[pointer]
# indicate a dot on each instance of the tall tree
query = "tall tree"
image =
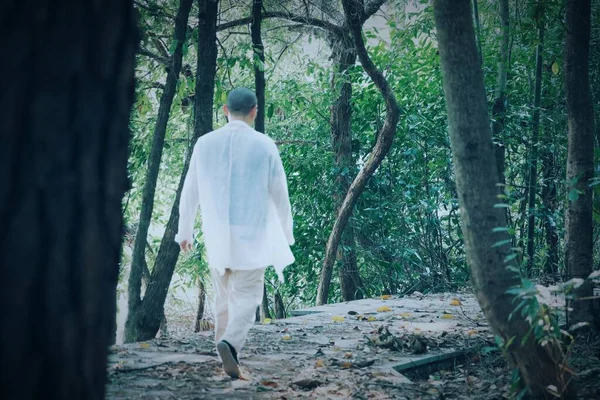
(499, 106)
(259, 63)
(64, 115)
(580, 161)
(138, 262)
(533, 145)
(344, 57)
(355, 12)
(476, 179)
(144, 319)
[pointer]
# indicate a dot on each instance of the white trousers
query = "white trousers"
(237, 294)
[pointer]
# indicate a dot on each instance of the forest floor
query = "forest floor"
(414, 347)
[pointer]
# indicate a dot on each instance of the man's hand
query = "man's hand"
(185, 246)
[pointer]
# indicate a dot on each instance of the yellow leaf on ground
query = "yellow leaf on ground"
(319, 364)
(555, 68)
(372, 318)
(346, 364)
(384, 309)
(338, 318)
(266, 321)
(472, 332)
(406, 315)
(144, 345)
(447, 316)
(455, 302)
(386, 297)
(286, 337)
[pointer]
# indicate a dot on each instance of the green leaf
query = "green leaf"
(573, 195)
(502, 243)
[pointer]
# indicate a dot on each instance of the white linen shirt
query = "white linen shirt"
(237, 178)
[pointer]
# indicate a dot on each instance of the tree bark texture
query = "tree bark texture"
(160, 129)
(344, 56)
(355, 16)
(279, 306)
(476, 180)
(145, 322)
(580, 158)
(499, 106)
(533, 151)
(264, 305)
(259, 63)
(550, 203)
(65, 101)
(200, 325)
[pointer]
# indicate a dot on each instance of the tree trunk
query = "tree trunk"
(580, 159)
(477, 31)
(160, 129)
(549, 200)
(476, 180)
(145, 322)
(279, 306)
(499, 107)
(264, 305)
(65, 101)
(199, 325)
(341, 138)
(259, 63)
(354, 12)
(533, 151)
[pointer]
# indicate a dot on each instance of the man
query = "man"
(237, 178)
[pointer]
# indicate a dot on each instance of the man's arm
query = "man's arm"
(188, 206)
(279, 193)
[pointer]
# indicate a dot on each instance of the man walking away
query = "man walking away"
(237, 178)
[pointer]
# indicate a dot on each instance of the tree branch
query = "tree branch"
(371, 8)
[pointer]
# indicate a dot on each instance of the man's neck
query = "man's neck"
(248, 121)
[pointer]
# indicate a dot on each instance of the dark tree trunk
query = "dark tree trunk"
(344, 57)
(354, 12)
(549, 200)
(67, 91)
(160, 129)
(580, 160)
(533, 152)
(476, 180)
(259, 63)
(145, 322)
(264, 305)
(499, 107)
(279, 306)
(200, 325)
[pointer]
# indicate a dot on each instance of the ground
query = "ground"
(413, 347)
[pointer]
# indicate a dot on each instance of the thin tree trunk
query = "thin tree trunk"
(144, 324)
(533, 151)
(341, 138)
(580, 159)
(264, 305)
(476, 179)
(66, 96)
(160, 129)
(259, 63)
(499, 107)
(279, 306)
(199, 325)
(549, 200)
(354, 12)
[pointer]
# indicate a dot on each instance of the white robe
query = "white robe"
(237, 178)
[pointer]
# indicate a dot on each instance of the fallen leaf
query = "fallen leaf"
(386, 297)
(455, 302)
(319, 364)
(286, 337)
(472, 332)
(307, 383)
(371, 319)
(348, 355)
(346, 364)
(384, 309)
(447, 316)
(338, 318)
(144, 345)
(269, 384)
(406, 315)
(266, 321)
